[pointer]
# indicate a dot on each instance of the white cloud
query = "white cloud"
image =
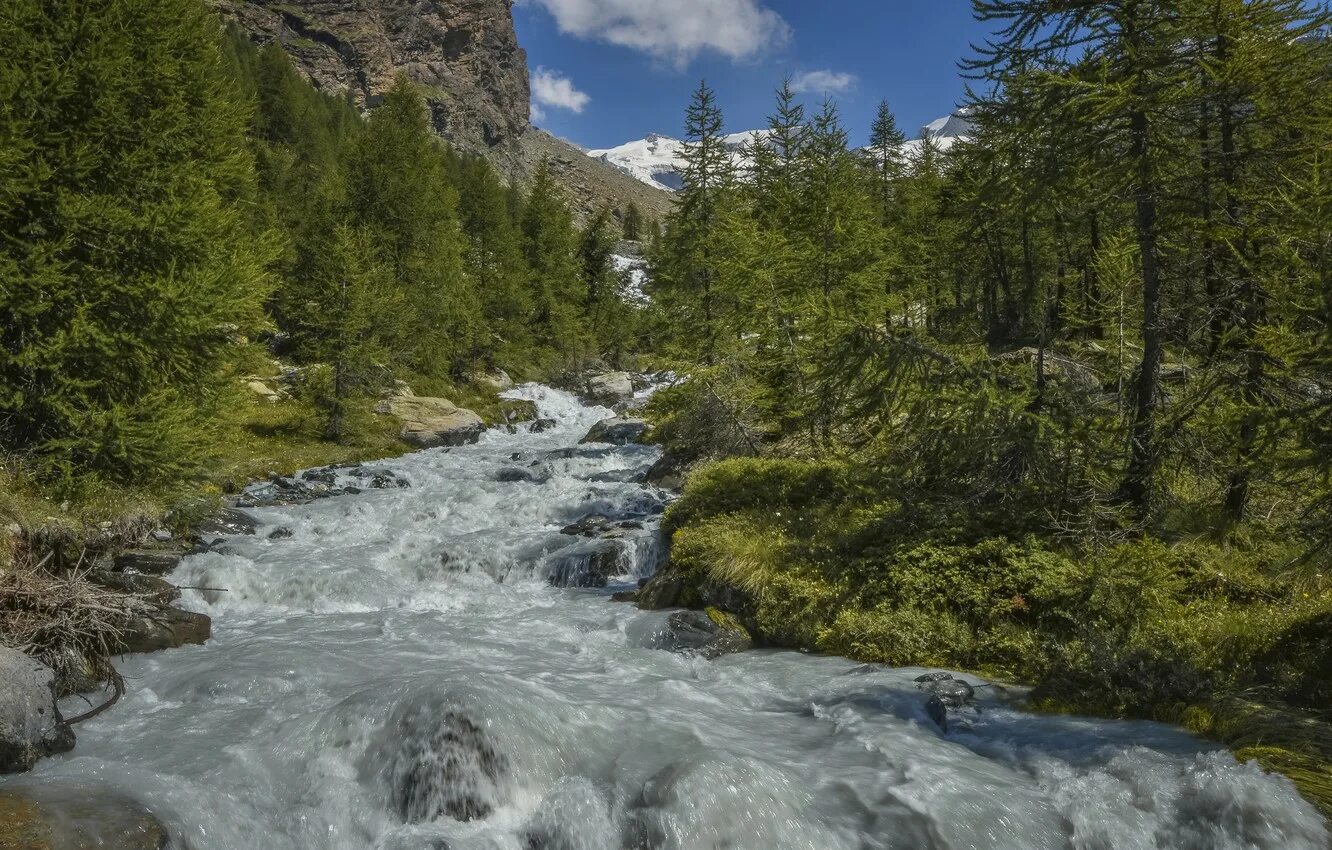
(674, 30)
(556, 91)
(823, 82)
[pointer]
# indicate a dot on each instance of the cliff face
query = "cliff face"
(464, 53)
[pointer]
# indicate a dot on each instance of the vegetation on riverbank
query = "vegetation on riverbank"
(1052, 404)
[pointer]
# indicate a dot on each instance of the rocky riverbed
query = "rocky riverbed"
(425, 653)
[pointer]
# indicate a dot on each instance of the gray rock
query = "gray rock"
(610, 388)
(429, 423)
(150, 587)
(163, 628)
(511, 474)
(953, 693)
(697, 632)
(30, 723)
(542, 425)
(228, 522)
(935, 708)
(618, 431)
(444, 764)
(661, 591)
(147, 561)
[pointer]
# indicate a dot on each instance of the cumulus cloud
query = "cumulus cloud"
(673, 30)
(553, 90)
(823, 82)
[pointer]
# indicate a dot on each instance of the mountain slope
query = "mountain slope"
(465, 55)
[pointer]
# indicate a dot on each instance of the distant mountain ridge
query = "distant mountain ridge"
(656, 159)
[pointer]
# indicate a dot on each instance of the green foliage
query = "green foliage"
(130, 263)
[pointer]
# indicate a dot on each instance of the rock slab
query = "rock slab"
(429, 423)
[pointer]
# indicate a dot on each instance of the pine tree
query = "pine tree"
(559, 292)
(688, 280)
(130, 262)
(883, 157)
(399, 189)
(356, 295)
(633, 223)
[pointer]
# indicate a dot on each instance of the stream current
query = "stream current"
(402, 673)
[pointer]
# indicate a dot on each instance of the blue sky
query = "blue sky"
(607, 71)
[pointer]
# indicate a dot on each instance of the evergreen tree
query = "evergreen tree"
(687, 275)
(399, 189)
(130, 263)
(559, 291)
(883, 157)
(633, 223)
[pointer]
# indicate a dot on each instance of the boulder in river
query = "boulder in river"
(30, 723)
(953, 693)
(150, 587)
(147, 561)
(163, 628)
(618, 431)
(228, 522)
(428, 423)
(72, 819)
(444, 764)
(610, 388)
(711, 633)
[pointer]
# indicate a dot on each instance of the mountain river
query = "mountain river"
(402, 673)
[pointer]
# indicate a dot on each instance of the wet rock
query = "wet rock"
(150, 587)
(954, 693)
(512, 474)
(624, 596)
(542, 425)
(147, 561)
(610, 388)
(228, 522)
(281, 533)
(938, 712)
(588, 567)
(662, 590)
(710, 633)
(600, 525)
(163, 628)
(73, 819)
(444, 764)
(618, 431)
(936, 676)
(669, 471)
(633, 405)
(30, 723)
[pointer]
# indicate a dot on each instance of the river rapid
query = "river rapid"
(399, 673)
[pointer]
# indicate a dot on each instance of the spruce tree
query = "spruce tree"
(130, 265)
(883, 157)
(559, 291)
(633, 222)
(688, 281)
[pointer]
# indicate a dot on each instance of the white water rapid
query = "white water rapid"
(400, 674)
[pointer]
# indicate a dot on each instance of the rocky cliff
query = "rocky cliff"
(464, 53)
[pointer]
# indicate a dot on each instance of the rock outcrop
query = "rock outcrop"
(464, 53)
(618, 431)
(429, 423)
(466, 57)
(30, 722)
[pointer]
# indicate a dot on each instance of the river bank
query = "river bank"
(442, 665)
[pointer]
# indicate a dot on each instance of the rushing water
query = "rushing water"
(403, 654)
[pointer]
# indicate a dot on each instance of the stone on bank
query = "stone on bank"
(30, 723)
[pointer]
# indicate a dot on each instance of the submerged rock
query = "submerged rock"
(73, 819)
(573, 816)
(711, 633)
(618, 431)
(30, 723)
(445, 764)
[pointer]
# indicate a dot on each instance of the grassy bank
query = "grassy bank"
(1222, 636)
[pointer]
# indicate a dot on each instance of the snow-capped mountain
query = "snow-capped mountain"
(656, 160)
